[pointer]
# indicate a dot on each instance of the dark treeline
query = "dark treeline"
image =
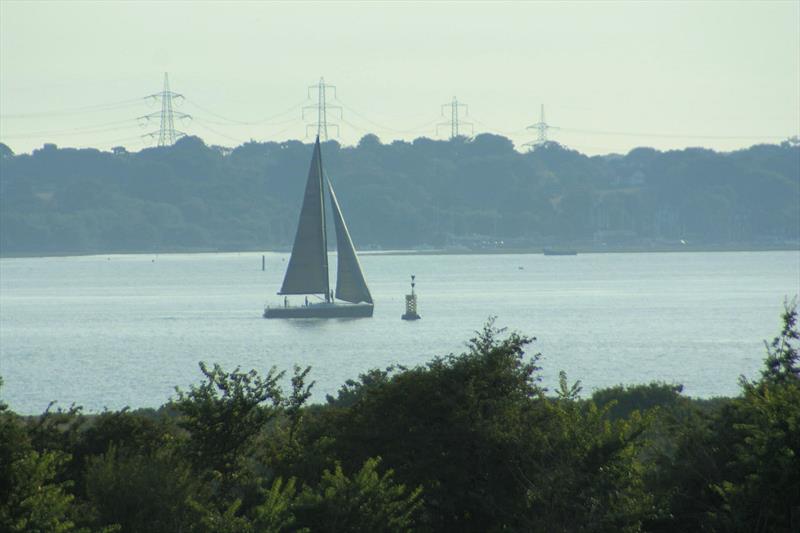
(468, 442)
(459, 193)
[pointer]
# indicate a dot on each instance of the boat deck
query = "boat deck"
(321, 310)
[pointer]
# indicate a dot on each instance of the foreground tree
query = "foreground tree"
(738, 468)
(454, 426)
(225, 413)
(762, 490)
(490, 449)
(37, 502)
(142, 491)
(367, 501)
(31, 496)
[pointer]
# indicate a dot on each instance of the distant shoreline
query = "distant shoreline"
(442, 251)
(590, 250)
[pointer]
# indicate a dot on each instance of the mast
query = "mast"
(324, 224)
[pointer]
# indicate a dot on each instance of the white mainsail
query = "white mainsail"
(307, 272)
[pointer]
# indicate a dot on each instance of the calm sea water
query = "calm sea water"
(111, 331)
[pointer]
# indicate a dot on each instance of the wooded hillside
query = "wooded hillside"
(462, 193)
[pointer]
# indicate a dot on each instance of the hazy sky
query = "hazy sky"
(611, 75)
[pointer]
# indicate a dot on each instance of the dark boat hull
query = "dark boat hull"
(361, 310)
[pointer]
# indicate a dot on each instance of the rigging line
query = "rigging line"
(77, 110)
(414, 130)
(672, 135)
(246, 122)
(74, 131)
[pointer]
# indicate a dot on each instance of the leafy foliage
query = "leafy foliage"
(367, 502)
(225, 413)
(36, 501)
(737, 468)
(783, 354)
(621, 401)
(141, 492)
(461, 427)
(584, 474)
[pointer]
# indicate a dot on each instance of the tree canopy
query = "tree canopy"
(466, 192)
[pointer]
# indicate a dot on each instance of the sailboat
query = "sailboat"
(307, 272)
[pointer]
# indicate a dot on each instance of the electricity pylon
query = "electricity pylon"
(167, 134)
(541, 128)
(455, 121)
(322, 108)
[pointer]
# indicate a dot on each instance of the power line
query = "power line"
(212, 130)
(322, 108)
(292, 120)
(284, 130)
(418, 129)
(167, 134)
(65, 133)
(95, 128)
(455, 122)
(75, 110)
(137, 138)
(263, 121)
(368, 129)
(671, 135)
(490, 129)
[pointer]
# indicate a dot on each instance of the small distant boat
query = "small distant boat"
(550, 251)
(307, 272)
